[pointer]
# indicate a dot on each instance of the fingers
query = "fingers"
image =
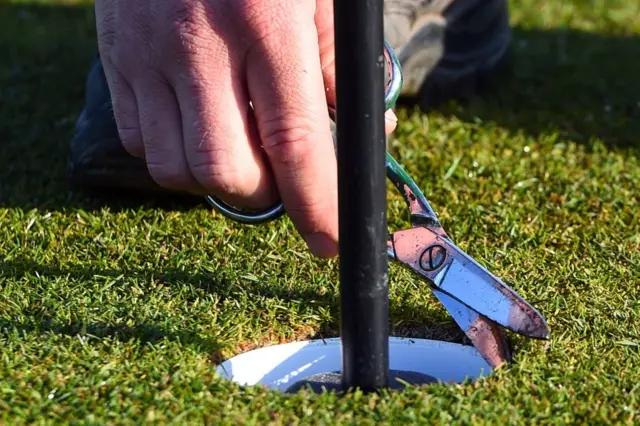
(125, 109)
(286, 86)
(161, 130)
(181, 84)
(221, 143)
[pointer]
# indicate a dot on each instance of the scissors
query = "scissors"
(479, 302)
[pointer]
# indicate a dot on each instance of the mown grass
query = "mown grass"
(116, 310)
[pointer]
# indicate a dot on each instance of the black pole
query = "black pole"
(362, 193)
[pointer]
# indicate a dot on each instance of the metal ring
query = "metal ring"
(392, 93)
(268, 215)
(395, 84)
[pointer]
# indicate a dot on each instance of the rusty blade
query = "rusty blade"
(449, 269)
(484, 334)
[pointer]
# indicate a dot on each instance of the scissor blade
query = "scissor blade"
(466, 280)
(455, 273)
(484, 334)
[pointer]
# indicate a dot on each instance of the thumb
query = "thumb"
(326, 43)
(390, 121)
(326, 37)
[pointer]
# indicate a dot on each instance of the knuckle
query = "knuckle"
(106, 39)
(118, 48)
(258, 16)
(188, 28)
(287, 144)
(264, 17)
(106, 26)
(140, 26)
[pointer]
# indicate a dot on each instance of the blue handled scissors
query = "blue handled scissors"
(479, 302)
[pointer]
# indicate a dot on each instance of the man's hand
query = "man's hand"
(182, 73)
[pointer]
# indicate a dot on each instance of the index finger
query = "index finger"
(285, 83)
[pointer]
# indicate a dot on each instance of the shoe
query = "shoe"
(447, 48)
(97, 159)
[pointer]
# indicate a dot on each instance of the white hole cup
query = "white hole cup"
(279, 367)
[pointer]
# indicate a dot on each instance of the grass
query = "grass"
(116, 311)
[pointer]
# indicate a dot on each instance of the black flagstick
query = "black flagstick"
(364, 294)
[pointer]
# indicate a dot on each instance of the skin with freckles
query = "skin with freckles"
(182, 74)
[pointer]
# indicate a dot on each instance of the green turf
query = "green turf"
(117, 311)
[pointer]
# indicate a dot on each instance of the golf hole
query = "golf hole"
(280, 366)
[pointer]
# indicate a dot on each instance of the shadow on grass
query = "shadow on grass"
(417, 322)
(582, 85)
(143, 333)
(579, 85)
(37, 319)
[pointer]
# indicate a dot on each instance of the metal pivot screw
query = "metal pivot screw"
(433, 257)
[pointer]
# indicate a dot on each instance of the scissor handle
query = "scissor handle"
(420, 210)
(392, 92)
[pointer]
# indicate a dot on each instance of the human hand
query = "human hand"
(182, 73)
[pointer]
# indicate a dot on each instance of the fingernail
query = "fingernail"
(321, 245)
(390, 117)
(390, 121)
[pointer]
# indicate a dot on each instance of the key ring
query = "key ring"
(392, 92)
